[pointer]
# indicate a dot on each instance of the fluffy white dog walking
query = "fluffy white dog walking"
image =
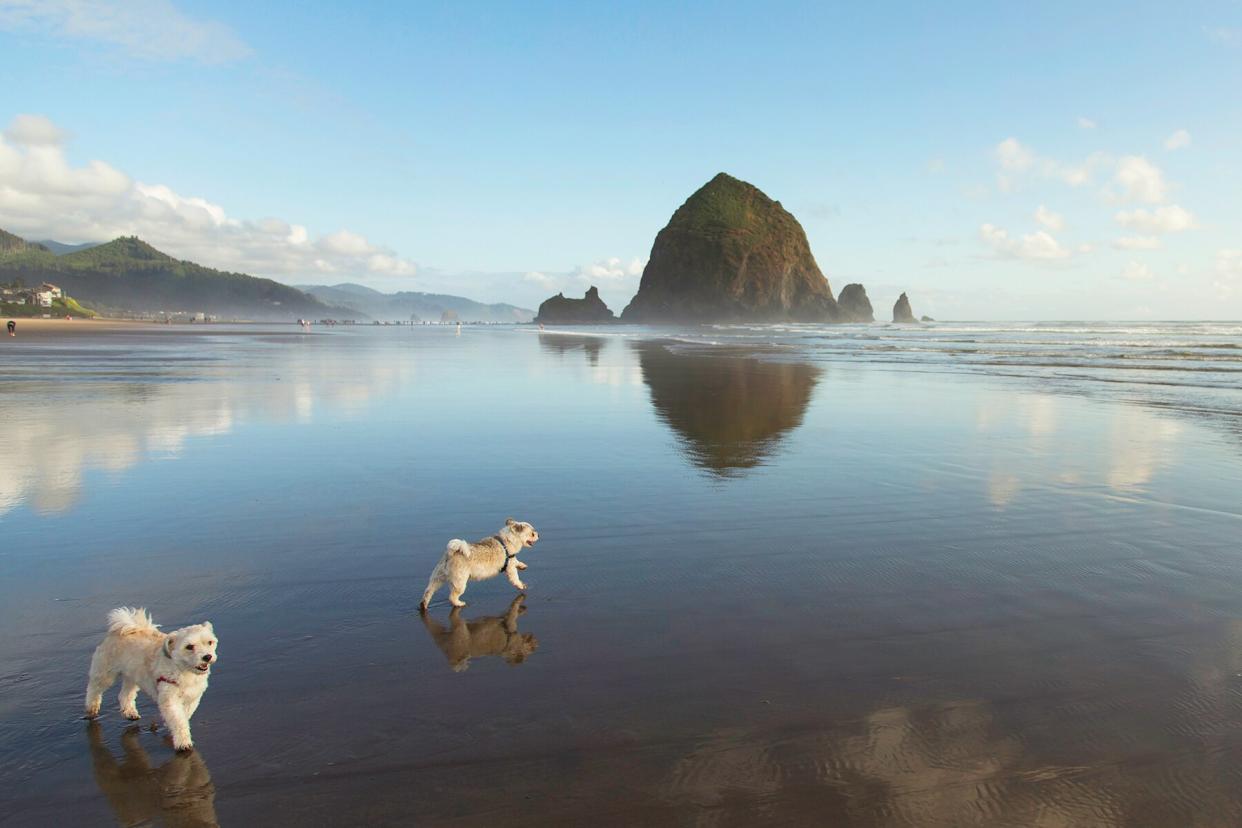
(464, 562)
(171, 668)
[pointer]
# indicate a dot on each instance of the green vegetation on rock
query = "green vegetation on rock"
(730, 253)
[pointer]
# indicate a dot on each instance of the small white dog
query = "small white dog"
(464, 562)
(171, 668)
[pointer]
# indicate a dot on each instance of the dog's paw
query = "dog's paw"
(182, 747)
(132, 715)
(90, 716)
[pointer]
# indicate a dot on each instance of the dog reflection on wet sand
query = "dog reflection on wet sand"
(492, 635)
(178, 793)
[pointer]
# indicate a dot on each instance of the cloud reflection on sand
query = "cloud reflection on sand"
(50, 441)
(1027, 443)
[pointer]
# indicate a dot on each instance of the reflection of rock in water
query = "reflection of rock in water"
(563, 343)
(177, 793)
(493, 635)
(730, 412)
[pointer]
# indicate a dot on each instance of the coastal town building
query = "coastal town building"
(43, 296)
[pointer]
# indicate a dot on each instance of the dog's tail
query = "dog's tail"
(458, 547)
(127, 620)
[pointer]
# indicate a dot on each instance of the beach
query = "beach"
(937, 575)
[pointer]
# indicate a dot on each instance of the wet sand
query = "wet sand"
(43, 329)
(768, 592)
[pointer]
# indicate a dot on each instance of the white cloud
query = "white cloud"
(1223, 34)
(1134, 178)
(34, 131)
(1016, 160)
(1013, 156)
(43, 196)
(1137, 243)
(1052, 221)
(148, 29)
(612, 269)
(1086, 123)
(543, 280)
(1037, 246)
(1076, 175)
(1228, 271)
(1136, 272)
(616, 278)
(1159, 221)
(1140, 180)
(1178, 140)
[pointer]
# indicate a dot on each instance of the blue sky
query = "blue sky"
(994, 161)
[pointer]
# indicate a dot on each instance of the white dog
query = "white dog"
(171, 668)
(464, 562)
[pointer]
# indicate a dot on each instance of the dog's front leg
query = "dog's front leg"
(175, 719)
(192, 705)
(512, 571)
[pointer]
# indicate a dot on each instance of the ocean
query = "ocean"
(948, 574)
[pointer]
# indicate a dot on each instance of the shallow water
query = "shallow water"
(860, 575)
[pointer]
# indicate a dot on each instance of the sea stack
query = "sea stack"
(589, 310)
(732, 254)
(854, 305)
(901, 310)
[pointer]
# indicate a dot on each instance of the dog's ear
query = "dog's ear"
(509, 521)
(207, 624)
(168, 646)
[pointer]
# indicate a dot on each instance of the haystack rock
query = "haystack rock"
(589, 310)
(901, 310)
(854, 305)
(730, 253)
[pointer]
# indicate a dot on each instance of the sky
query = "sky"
(995, 161)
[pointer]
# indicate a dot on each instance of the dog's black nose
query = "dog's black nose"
(207, 657)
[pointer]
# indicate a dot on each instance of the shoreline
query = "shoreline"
(27, 326)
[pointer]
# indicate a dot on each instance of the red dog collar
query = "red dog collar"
(161, 678)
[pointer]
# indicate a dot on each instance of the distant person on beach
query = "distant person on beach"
(12, 328)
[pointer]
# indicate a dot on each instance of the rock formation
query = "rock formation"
(853, 304)
(926, 318)
(901, 310)
(589, 310)
(730, 253)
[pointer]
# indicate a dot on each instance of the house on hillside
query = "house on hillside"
(43, 298)
(56, 292)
